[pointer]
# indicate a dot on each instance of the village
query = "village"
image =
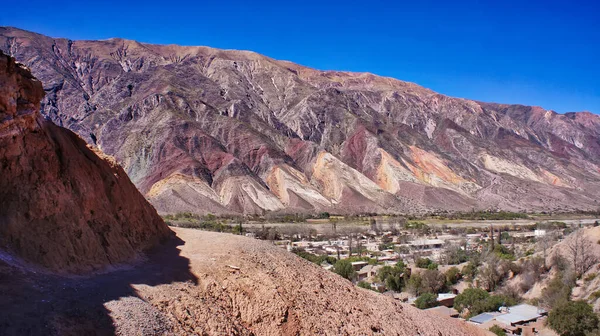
(480, 273)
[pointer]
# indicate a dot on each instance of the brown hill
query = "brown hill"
(213, 284)
(63, 206)
(206, 130)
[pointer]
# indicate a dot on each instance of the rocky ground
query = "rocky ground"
(204, 283)
(63, 205)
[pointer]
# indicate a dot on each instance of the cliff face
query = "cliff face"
(63, 205)
(206, 130)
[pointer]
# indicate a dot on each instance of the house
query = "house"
(484, 317)
(446, 299)
(521, 314)
(426, 244)
(368, 271)
(357, 265)
(520, 319)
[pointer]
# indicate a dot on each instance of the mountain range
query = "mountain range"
(205, 130)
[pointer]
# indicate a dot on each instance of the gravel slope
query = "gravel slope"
(204, 283)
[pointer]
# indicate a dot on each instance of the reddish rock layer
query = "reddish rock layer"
(62, 205)
(206, 130)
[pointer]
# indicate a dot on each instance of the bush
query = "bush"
(344, 268)
(595, 295)
(469, 271)
(427, 300)
(573, 318)
(365, 285)
(452, 276)
(590, 277)
(426, 263)
(503, 252)
(557, 291)
(497, 330)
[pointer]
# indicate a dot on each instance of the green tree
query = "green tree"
(573, 318)
(344, 268)
(469, 299)
(392, 277)
(426, 300)
(414, 285)
(452, 276)
(469, 271)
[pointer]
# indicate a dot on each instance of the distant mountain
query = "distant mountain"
(221, 131)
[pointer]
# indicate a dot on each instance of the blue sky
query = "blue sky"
(532, 52)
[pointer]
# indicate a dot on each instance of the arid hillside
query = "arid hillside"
(62, 205)
(221, 131)
(207, 283)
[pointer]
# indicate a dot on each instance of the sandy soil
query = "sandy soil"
(205, 283)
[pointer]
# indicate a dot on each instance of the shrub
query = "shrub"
(427, 300)
(470, 271)
(452, 276)
(590, 277)
(497, 330)
(595, 295)
(315, 258)
(503, 252)
(557, 291)
(365, 285)
(426, 263)
(527, 254)
(344, 268)
(573, 318)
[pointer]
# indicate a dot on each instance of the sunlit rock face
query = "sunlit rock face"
(219, 131)
(63, 205)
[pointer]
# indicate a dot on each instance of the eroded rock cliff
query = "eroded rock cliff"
(63, 205)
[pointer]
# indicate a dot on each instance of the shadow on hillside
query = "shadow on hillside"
(34, 304)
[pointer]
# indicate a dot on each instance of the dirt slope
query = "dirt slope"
(61, 204)
(214, 284)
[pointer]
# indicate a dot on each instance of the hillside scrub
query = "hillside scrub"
(573, 318)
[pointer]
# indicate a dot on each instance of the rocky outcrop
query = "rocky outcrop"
(206, 130)
(63, 205)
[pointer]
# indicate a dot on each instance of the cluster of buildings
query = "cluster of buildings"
(523, 319)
